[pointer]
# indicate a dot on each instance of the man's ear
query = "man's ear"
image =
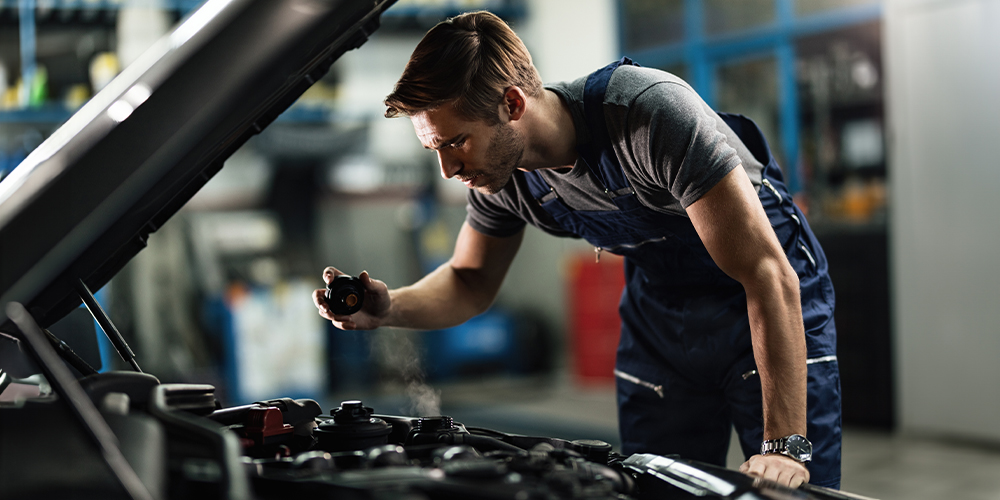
(515, 102)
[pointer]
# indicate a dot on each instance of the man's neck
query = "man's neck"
(550, 134)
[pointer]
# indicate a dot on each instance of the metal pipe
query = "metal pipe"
(105, 322)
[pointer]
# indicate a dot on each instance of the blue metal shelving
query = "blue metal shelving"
(182, 6)
(704, 53)
(40, 116)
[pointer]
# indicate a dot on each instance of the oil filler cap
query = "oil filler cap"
(345, 294)
(593, 450)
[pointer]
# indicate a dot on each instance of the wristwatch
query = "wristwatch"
(796, 447)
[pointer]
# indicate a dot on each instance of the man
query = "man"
(727, 294)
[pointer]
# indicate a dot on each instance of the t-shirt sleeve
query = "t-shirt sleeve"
(675, 141)
(489, 215)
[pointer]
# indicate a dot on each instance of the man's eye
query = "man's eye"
(458, 144)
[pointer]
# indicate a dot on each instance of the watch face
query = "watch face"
(798, 448)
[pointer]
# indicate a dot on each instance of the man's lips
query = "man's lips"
(471, 181)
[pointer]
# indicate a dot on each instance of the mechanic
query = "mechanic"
(727, 314)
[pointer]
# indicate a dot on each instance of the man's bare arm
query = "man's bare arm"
(459, 289)
(735, 230)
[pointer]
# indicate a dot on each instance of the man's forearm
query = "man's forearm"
(779, 348)
(780, 351)
(444, 298)
(459, 289)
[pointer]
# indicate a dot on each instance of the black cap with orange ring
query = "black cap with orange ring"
(345, 294)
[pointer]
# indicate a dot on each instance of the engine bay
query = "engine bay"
(180, 444)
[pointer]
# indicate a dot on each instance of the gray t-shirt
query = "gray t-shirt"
(672, 147)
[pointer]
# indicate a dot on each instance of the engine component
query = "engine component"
(352, 428)
(429, 430)
(263, 424)
(593, 449)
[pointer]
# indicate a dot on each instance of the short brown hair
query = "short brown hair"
(470, 59)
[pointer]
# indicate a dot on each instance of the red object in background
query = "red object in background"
(594, 291)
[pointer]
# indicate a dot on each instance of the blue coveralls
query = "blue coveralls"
(685, 367)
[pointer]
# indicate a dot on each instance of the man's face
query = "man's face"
(480, 155)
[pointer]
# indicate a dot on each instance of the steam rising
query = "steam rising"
(401, 361)
(424, 399)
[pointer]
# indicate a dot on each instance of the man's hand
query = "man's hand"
(370, 316)
(777, 468)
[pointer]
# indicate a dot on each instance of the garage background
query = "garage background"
(883, 114)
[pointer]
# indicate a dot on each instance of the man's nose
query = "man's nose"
(449, 164)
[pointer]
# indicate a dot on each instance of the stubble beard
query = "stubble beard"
(502, 158)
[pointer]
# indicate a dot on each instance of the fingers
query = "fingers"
(776, 468)
(754, 466)
(367, 281)
(319, 300)
(344, 322)
(795, 481)
(329, 273)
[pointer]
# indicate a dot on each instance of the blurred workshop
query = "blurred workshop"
(882, 113)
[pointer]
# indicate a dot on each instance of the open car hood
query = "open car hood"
(85, 201)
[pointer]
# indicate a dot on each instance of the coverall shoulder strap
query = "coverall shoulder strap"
(750, 134)
(599, 154)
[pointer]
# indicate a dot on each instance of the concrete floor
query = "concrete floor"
(875, 464)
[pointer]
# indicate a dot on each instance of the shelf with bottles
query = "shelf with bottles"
(39, 106)
(842, 126)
